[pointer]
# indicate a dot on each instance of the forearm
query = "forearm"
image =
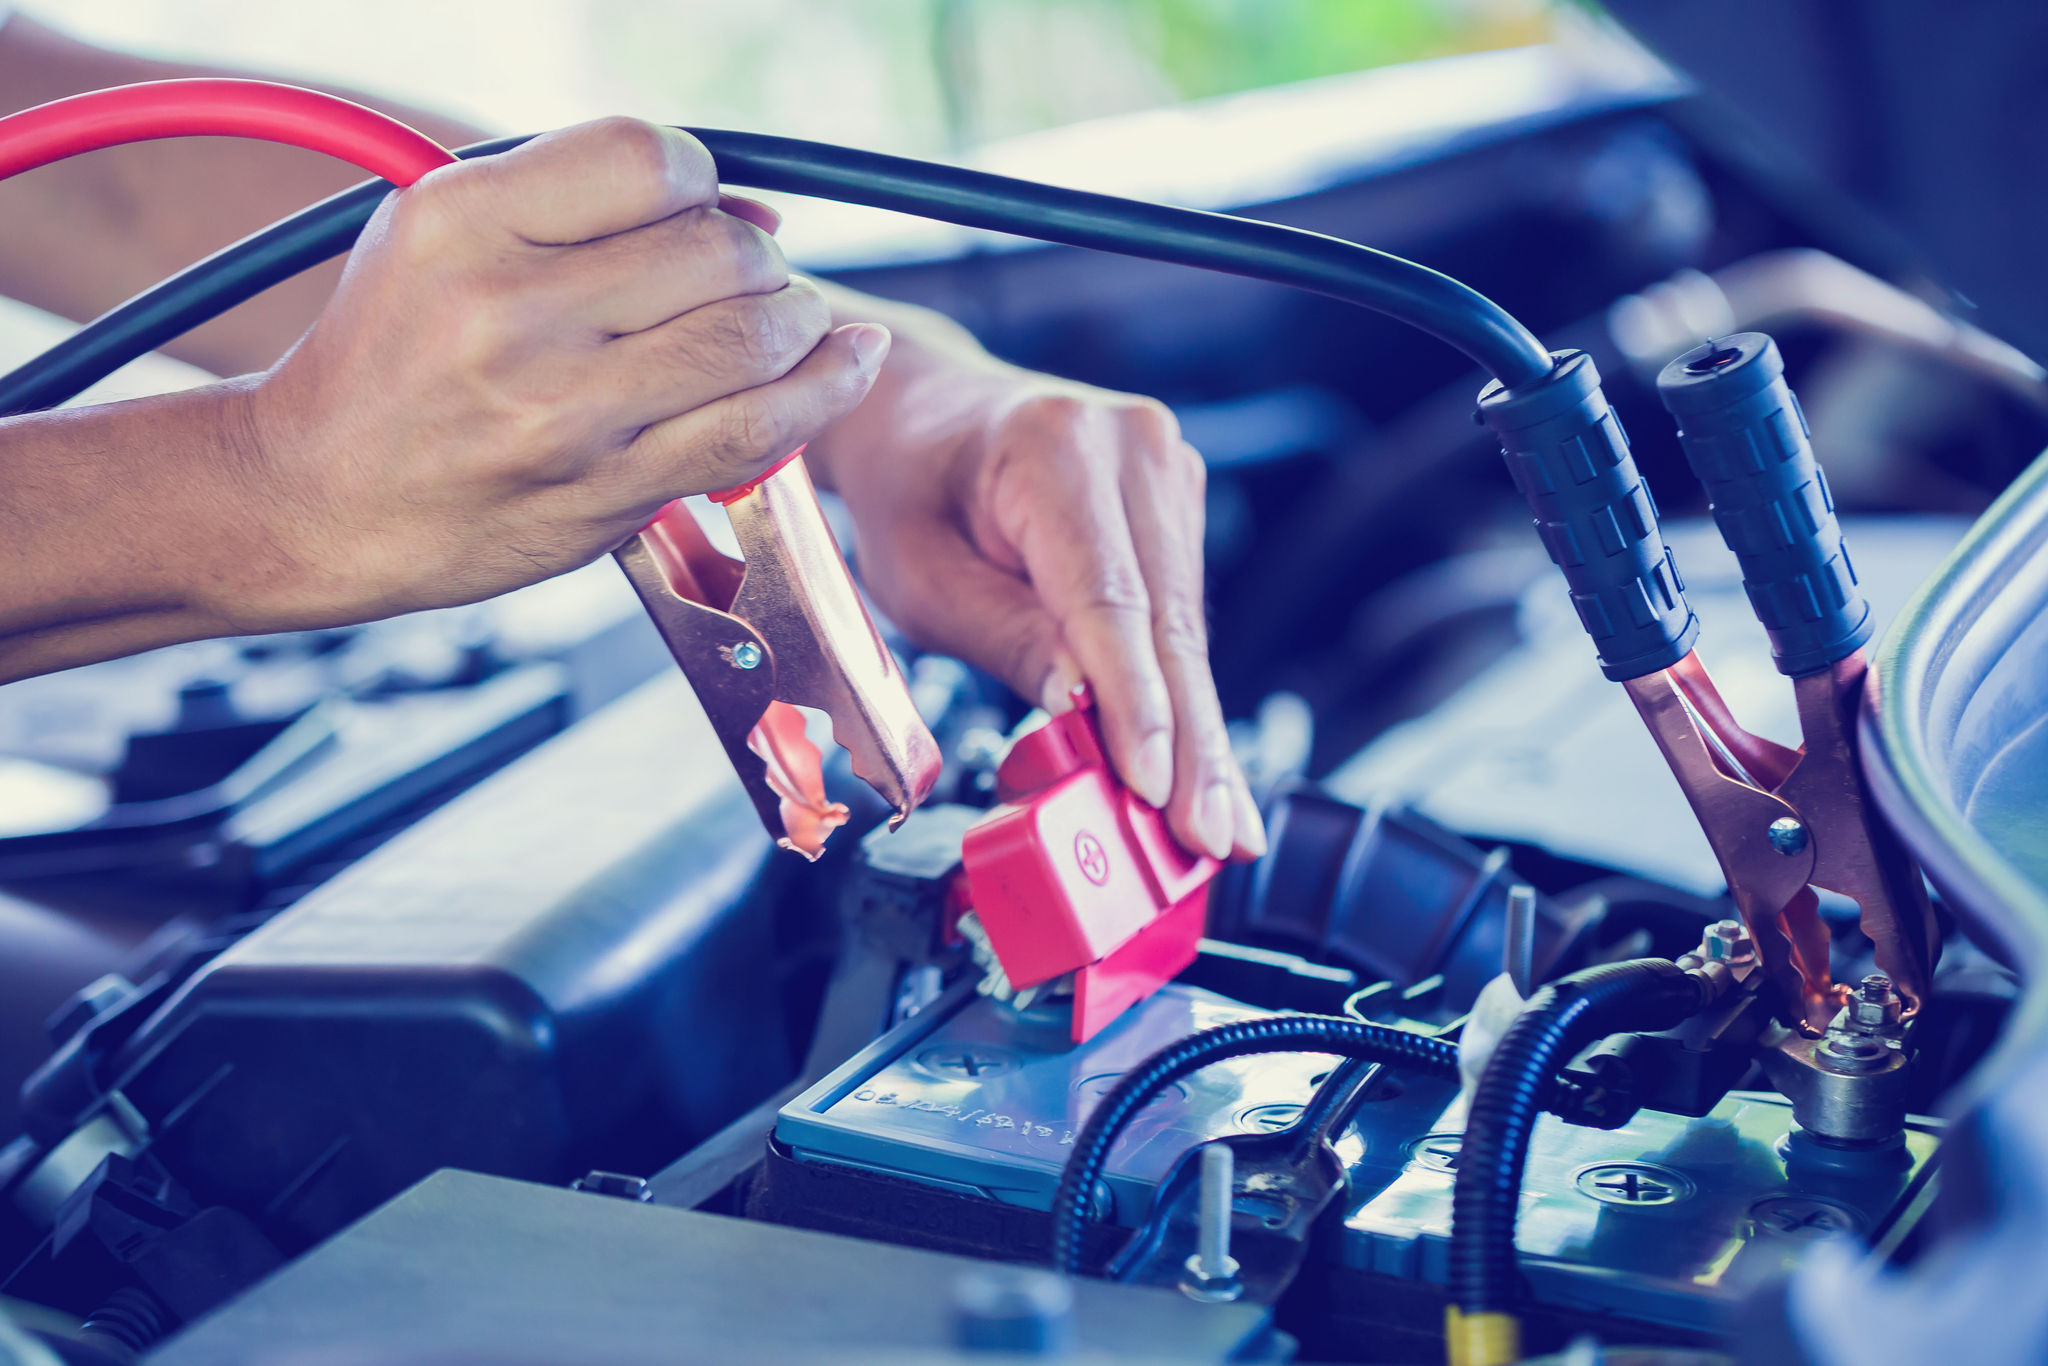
(87, 233)
(126, 527)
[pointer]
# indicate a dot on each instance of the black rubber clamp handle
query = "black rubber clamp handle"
(1570, 458)
(1747, 441)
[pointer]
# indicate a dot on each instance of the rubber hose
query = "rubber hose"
(1560, 1020)
(1276, 1034)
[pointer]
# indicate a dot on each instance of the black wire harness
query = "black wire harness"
(1277, 1034)
(1520, 1081)
(1343, 270)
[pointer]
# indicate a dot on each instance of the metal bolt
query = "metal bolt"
(746, 655)
(1015, 1310)
(1788, 836)
(1725, 940)
(1520, 952)
(1875, 1008)
(1211, 1273)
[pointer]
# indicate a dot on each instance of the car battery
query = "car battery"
(979, 1098)
(1666, 1220)
(952, 1130)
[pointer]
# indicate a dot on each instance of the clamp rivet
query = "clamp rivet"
(746, 655)
(1788, 836)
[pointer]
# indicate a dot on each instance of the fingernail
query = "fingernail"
(1152, 770)
(1212, 819)
(1056, 695)
(870, 344)
(761, 215)
(1251, 827)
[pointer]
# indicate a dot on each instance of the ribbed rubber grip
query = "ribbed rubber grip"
(1570, 459)
(1747, 441)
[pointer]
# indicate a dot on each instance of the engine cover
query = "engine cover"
(555, 972)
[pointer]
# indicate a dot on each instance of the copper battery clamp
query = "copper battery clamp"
(1782, 822)
(782, 628)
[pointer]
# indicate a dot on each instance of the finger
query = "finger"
(735, 438)
(635, 280)
(583, 183)
(763, 216)
(1065, 515)
(719, 349)
(952, 600)
(1250, 841)
(1162, 483)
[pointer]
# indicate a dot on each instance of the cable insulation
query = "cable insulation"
(217, 107)
(1238, 246)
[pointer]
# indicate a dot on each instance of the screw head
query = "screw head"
(746, 655)
(966, 1061)
(1268, 1119)
(1437, 1152)
(1803, 1216)
(1788, 836)
(1633, 1183)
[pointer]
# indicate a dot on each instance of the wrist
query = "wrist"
(936, 387)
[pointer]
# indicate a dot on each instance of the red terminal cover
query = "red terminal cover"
(1076, 873)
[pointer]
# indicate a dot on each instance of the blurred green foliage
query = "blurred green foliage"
(1215, 47)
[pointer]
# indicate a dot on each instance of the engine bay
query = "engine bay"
(431, 990)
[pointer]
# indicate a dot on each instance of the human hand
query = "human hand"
(1050, 532)
(526, 358)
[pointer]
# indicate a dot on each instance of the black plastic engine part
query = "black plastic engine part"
(557, 972)
(1385, 892)
(1685, 1070)
(132, 1253)
(1747, 441)
(264, 814)
(896, 893)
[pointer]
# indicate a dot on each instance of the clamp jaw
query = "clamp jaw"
(1781, 821)
(783, 629)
